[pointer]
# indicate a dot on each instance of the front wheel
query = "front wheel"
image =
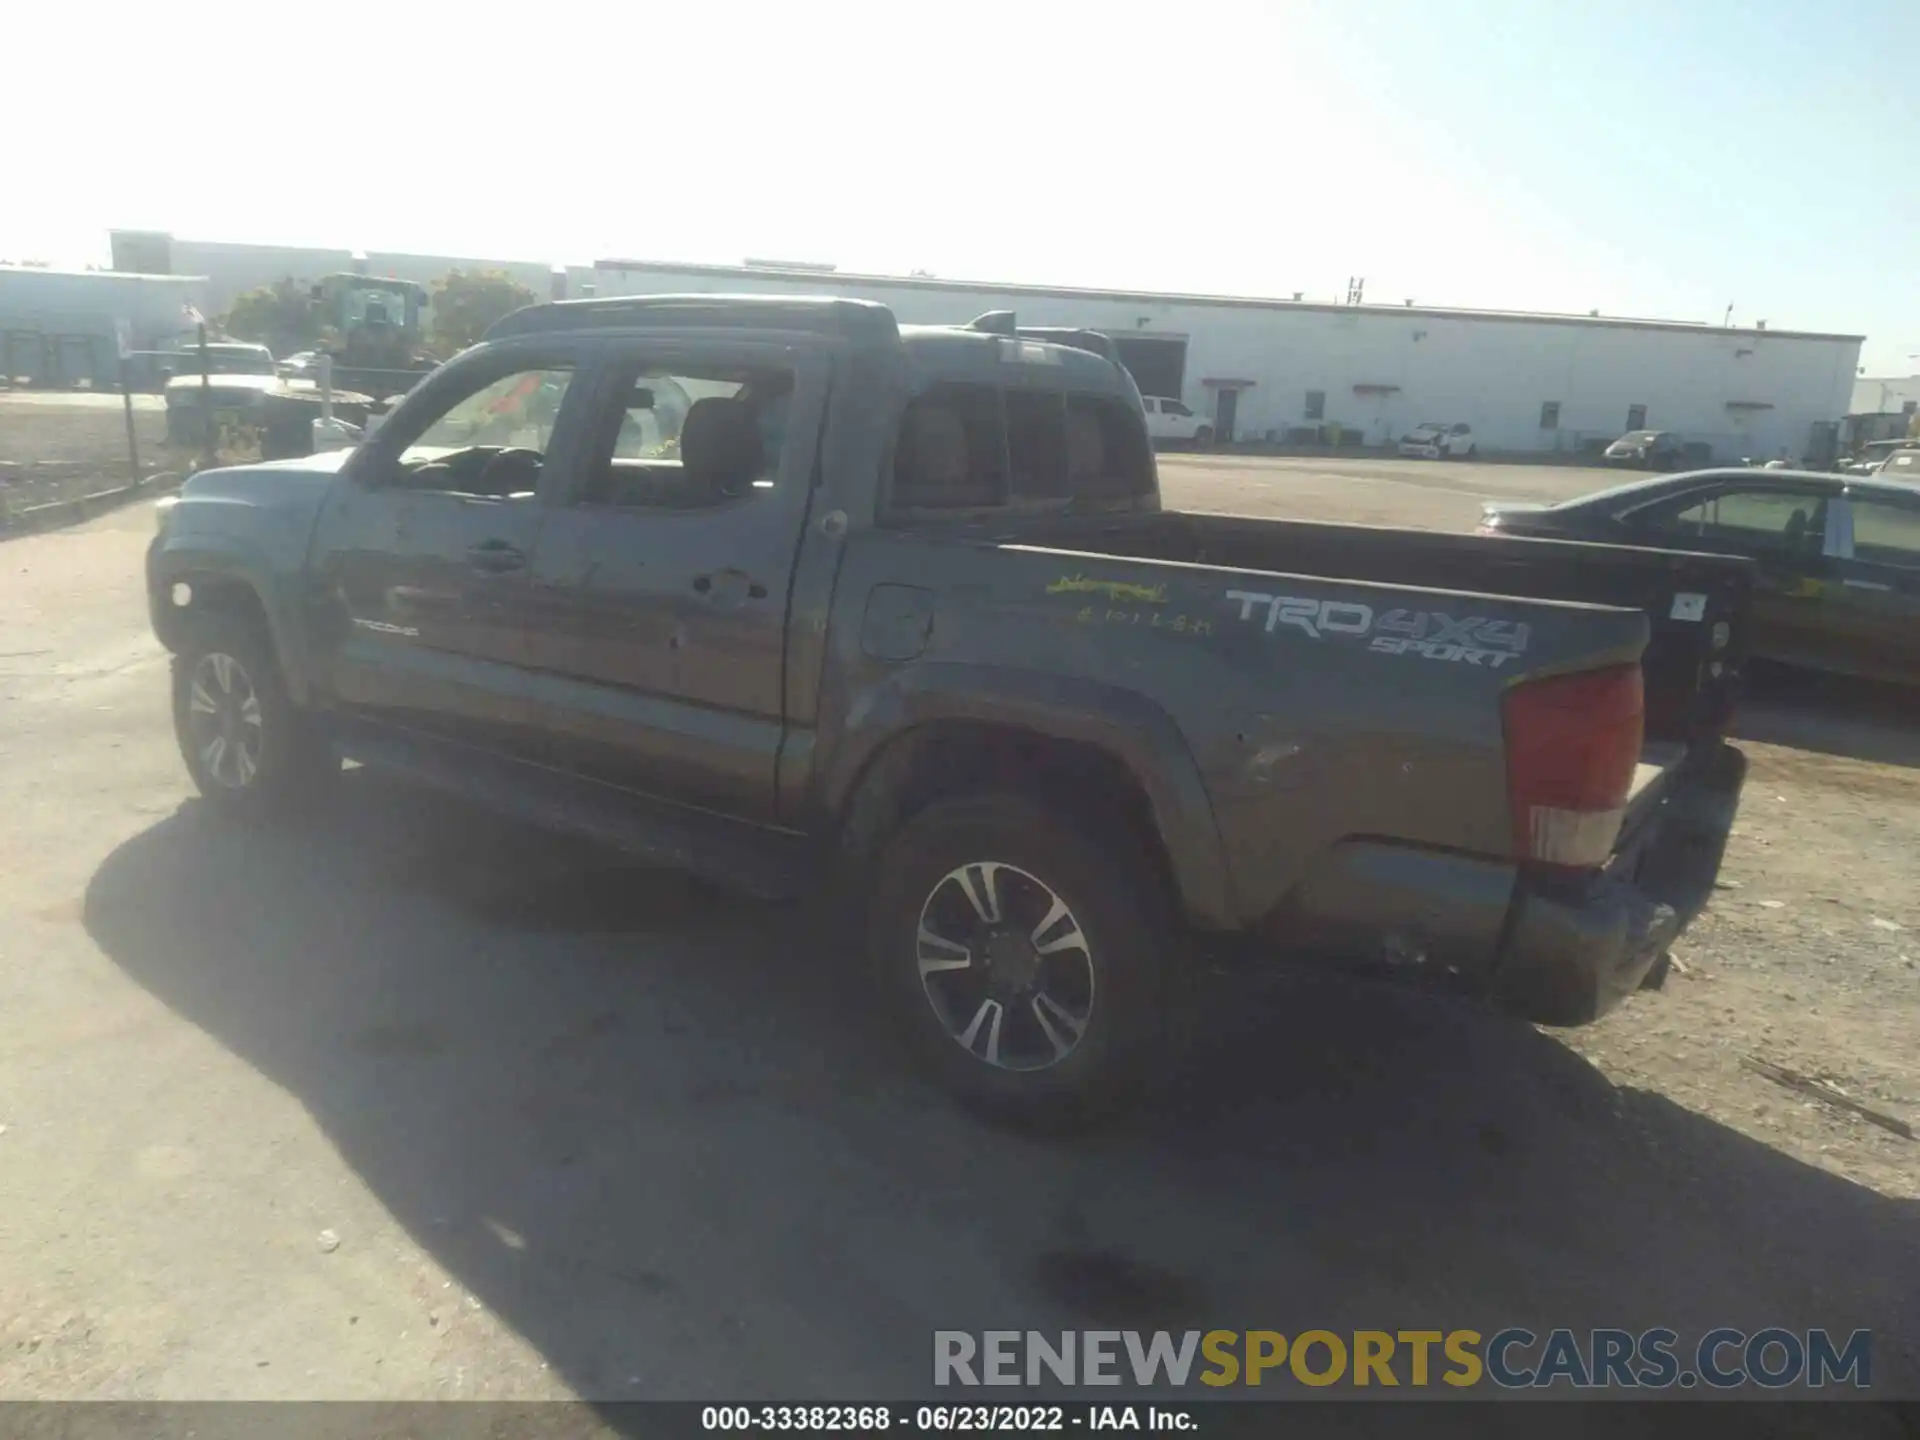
(1203, 437)
(249, 749)
(1032, 968)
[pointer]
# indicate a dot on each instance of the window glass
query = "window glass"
(1636, 417)
(1174, 407)
(517, 411)
(951, 451)
(1751, 519)
(1316, 404)
(1902, 465)
(680, 438)
(1037, 443)
(1550, 415)
(1108, 457)
(1887, 534)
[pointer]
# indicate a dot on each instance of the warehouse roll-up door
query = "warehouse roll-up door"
(1157, 363)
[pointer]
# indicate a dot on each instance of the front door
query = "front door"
(1226, 406)
(422, 560)
(1785, 529)
(662, 578)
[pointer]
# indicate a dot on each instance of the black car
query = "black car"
(1838, 583)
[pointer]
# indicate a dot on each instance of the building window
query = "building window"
(1910, 407)
(1316, 404)
(1636, 417)
(1550, 415)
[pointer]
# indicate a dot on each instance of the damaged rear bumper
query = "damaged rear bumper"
(1558, 951)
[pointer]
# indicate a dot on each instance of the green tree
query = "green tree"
(464, 305)
(280, 316)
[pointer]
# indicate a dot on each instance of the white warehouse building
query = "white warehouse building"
(1279, 370)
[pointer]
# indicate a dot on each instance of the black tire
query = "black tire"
(1129, 1008)
(274, 759)
(1203, 437)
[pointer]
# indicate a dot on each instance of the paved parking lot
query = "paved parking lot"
(411, 1103)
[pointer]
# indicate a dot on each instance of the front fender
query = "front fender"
(1122, 723)
(229, 559)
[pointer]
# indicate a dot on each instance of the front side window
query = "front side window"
(517, 411)
(1174, 407)
(1756, 520)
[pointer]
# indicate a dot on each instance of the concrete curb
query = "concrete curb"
(31, 519)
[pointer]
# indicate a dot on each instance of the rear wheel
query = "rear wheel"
(1203, 437)
(250, 750)
(1030, 967)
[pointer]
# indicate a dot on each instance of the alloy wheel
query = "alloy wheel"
(1005, 965)
(225, 727)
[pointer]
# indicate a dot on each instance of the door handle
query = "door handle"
(736, 581)
(495, 557)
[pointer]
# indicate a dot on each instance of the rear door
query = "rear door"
(421, 562)
(1879, 599)
(662, 574)
(1783, 527)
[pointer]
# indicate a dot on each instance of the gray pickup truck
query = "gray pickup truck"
(809, 602)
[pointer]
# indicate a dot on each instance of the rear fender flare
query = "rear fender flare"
(1125, 725)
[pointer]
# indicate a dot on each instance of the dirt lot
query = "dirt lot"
(411, 1103)
(58, 446)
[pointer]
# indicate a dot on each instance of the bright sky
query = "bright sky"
(1646, 157)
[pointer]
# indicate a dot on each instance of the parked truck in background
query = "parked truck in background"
(896, 612)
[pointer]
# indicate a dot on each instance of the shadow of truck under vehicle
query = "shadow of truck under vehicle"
(663, 1138)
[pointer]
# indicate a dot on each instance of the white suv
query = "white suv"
(1172, 420)
(1439, 442)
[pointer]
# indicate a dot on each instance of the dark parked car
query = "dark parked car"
(1838, 582)
(806, 601)
(1646, 450)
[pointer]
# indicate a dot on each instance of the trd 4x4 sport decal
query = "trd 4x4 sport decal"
(1431, 634)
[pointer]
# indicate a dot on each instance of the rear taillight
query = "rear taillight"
(1573, 742)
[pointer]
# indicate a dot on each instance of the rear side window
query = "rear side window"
(1887, 534)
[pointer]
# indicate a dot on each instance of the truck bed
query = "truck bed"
(1691, 682)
